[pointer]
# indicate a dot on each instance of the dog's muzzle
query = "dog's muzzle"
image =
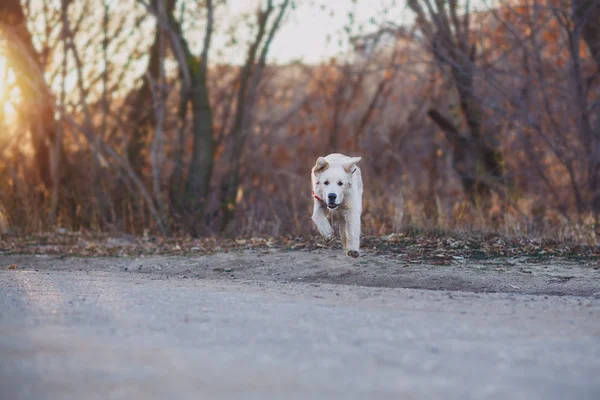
(331, 204)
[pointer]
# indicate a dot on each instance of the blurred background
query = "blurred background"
(205, 117)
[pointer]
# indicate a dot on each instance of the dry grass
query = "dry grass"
(285, 210)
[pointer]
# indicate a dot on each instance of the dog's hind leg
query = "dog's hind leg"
(343, 235)
(319, 217)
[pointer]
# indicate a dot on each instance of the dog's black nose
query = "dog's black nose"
(331, 197)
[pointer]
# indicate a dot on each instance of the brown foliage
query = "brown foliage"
(485, 121)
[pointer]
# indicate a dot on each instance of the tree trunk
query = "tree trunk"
(37, 100)
(479, 165)
(176, 179)
(587, 20)
(141, 113)
(197, 184)
(141, 116)
(465, 160)
(250, 77)
(587, 12)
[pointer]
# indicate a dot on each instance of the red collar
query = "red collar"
(315, 196)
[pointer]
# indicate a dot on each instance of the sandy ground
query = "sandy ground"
(509, 275)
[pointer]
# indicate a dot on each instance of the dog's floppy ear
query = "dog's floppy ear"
(321, 165)
(350, 166)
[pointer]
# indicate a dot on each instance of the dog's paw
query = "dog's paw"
(353, 253)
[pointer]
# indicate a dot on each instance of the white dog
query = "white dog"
(337, 186)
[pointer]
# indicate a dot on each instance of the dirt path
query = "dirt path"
(508, 275)
(128, 335)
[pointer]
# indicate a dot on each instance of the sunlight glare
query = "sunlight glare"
(6, 81)
(3, 75)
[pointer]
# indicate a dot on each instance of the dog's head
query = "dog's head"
(333, 182)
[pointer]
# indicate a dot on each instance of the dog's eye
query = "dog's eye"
(326, 182)
(340, 183)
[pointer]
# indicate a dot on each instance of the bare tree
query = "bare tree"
(586, 26)
(141, 113)
(191, 199)
(478, 163)
(197, 184)
(250, 76)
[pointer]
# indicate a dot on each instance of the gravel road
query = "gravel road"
(100, 329)
(496, 275)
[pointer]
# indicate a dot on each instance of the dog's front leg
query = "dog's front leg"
(353, 234)
(320, 219)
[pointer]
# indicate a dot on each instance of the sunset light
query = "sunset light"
(3, 74)
(6, 83)
(298, 199)
(172, 108)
